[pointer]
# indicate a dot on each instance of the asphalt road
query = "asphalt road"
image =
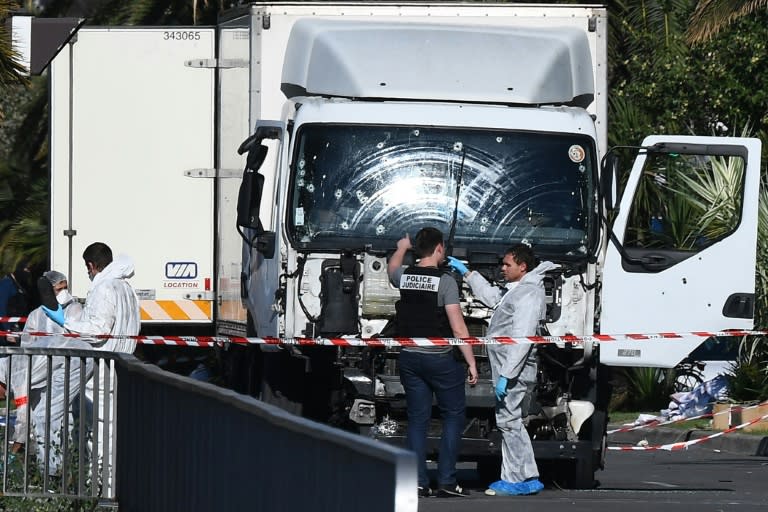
(707, 478)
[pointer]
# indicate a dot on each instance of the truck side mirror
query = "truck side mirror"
(252, 186)
(256, 157)
(249, 200)
(608, 178)
(248, 204)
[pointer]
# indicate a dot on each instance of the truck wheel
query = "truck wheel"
(242, 365)
(489, 468)
(583, 476)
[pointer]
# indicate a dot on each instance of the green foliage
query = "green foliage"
(11, 72)
(715, 196)
(711, 16)
(648, 389)
(748, 375)
(13, 102)
(157, 12)
(19, 504)
(24, 179)
(627, 121)
(708, 88)
(26, 478)
(696, 200)
(761, 284)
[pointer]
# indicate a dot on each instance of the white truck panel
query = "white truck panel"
(139, 119)
(234, 45)
(433, 62)
(550, 119)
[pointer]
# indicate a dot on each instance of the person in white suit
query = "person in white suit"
(518, 310)
(31, 400)
(112, 313)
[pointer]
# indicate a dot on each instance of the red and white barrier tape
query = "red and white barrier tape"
(206, 341)
(656, 423)
(13, 319)
(683, 445)
(210, 341)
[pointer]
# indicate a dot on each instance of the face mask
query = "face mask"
(64, 297)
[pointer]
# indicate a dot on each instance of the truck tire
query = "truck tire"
(583, 476)
(283, 381)
(242, 365)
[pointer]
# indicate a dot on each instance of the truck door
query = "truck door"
(131, 149)
(687, 223)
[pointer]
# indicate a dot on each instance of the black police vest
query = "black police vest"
(418, 314)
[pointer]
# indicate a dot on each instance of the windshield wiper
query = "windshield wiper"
(452, 232)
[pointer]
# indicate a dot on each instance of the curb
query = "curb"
(742, 444)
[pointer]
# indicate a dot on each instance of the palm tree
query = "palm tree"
(24, 181)
(11, 72)
(710, 16)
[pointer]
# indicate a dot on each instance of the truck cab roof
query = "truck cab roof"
(434, 62)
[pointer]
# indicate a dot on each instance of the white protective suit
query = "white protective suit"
(36, 396)
(517, 313)
(111, 307)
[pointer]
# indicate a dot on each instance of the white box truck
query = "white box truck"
(132, 141)
(365, 121)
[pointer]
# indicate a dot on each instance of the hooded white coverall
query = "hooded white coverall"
(36, 396)
(516, 314)
(111, 307)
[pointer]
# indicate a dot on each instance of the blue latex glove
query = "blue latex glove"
(501, 388)
(457, 265)
(55, 315)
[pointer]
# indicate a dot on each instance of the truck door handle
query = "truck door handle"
(655, 260)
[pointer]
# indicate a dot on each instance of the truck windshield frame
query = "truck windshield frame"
(365, 186)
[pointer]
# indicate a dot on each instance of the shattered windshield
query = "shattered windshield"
(357, 186)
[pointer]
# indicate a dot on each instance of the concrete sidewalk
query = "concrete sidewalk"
(734, 442)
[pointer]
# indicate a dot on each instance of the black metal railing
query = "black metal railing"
(52, 423)
(168, 442)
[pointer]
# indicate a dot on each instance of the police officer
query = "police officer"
(429, 306)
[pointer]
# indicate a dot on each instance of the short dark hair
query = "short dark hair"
(522, 253)
(99, 254)
(427, 239)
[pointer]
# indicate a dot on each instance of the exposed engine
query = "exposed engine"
(348, 294)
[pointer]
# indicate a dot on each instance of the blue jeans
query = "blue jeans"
(423, 375)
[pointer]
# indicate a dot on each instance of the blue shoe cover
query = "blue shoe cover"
(503, 488)
(496, 487)
(534, 485)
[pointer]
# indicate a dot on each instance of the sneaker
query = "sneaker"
(425, 492)
(503, 488)
(451, 491)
